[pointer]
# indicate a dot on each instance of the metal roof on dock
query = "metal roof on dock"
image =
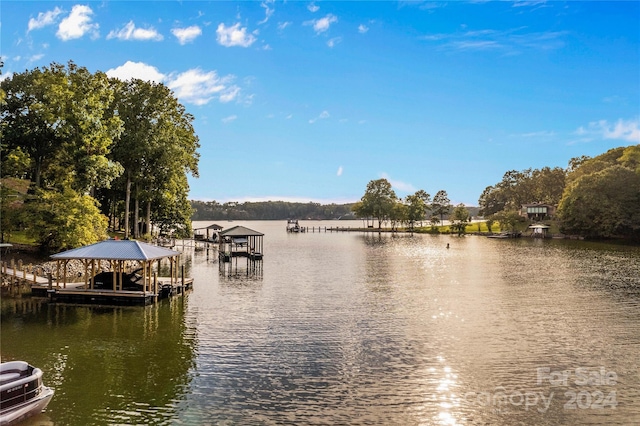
(117, 250)
(240, 231)
(215, 227)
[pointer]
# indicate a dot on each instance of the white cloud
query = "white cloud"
(627, 130)
(283, 25)
(3, 77)
(234, 36)
(199, 87)
(186, 35)
(321, 25)
(229, 94)
(44, 19)
(137, 70)
(339, 172)
(332, 42)
(323, 115)
(362, 28)
(539, 134)
(193, 86)
(398, 184)
(511, 41)
(313, 7)
(77, 24)
(528, 3)
(229, 119)
(35, 58)
(130, 32)
(268, 12)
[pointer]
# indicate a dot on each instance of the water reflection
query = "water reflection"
(351, 328)
(107, 364)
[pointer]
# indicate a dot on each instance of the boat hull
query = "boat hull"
(29, 408)
(22, 393)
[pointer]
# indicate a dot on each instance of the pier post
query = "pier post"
(155, 286)
(182, 272)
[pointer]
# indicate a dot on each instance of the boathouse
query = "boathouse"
(209, 233)
(128, 276)
(240, 241)
(539, 230)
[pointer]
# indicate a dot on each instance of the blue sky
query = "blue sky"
(309, 101)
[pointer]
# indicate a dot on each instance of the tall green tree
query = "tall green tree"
(516, 188)
(399, 214)
(57, 129)
(61, 118)
(157, 148)
(441, 204)
(460, 218)
(377, 201)
(416, 208)
(547, 185)
(491, 201)
(508, 220)
(603, 204)
(64, 219)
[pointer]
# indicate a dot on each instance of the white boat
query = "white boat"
(22, 393)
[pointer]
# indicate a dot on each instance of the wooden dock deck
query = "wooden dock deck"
(76, 293)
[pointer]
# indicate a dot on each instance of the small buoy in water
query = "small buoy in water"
(447, 245)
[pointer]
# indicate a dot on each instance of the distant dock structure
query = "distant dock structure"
(237, 243)
(208, 234)
(116, 272)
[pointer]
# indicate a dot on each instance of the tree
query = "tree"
(441, 204)
(398, 215)
(490, 222)
(516, 188)
(460, 218)
(603, 204)
(547, 185)
(377, 201)
(157, 148)
(64, 220)
(426, 199)
(508, 220)
(630, 158)
(61, 119)
(416, 207)
(434, 221)
(492, 200)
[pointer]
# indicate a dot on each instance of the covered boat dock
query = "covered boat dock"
(208, 234)
(240, 241)
(117, 272)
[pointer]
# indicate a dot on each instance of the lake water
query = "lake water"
(354, 328)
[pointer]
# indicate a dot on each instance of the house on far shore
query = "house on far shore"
(537, 211)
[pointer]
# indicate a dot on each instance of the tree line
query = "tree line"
(381, 204)
(98, 153)
(269, 210)
(595, 197)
